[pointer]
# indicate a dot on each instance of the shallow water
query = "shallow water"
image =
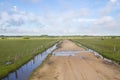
(72, 53)
(24, 72)
(68, 53)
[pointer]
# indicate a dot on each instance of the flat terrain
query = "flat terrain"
(16, 52)
(109, 48)
(82, 66)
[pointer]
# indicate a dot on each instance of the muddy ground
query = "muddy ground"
(82, 66)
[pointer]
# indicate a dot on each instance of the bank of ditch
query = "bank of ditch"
(15, 53)
(108, 48)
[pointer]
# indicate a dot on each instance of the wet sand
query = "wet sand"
(82, 66)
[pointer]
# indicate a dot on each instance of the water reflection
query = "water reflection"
(24, 72)
(68, 53)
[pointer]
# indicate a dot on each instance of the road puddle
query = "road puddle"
(69, 53)
(87, 50)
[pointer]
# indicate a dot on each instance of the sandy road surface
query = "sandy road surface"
(82, 66)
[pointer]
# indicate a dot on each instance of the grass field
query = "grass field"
(15, 52)
(109, 48)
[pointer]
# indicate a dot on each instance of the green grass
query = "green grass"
(19, 51)
(109, 48)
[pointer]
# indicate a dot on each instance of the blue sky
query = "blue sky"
(60, 17)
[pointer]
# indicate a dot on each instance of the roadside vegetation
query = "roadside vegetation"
(109, 48)
(16, 52)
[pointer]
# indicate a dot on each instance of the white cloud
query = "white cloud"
(109, 7)
(17, 21)
(14, 8)
(104, 20)
(32, 1)
(35, 1)
(113, 1)
(86, 20)
(106, 25)
(67, 22)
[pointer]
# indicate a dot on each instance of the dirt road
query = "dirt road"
(82, 66)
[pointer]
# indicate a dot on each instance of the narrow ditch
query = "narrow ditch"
(24, 72)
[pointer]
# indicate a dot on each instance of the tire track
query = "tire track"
(74, 70)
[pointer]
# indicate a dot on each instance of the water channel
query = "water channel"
(24, 72)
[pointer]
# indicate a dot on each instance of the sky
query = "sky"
(60, 17)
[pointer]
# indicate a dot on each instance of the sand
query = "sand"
(82, 66)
